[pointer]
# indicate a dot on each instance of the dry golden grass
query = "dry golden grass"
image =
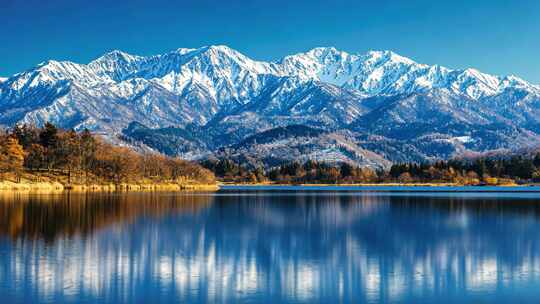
(50, 182)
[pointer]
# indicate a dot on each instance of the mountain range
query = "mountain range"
(370, 109)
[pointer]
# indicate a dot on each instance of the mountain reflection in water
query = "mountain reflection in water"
(269, 247)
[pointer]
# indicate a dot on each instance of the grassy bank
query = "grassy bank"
(54, 182)
(157, 186)
(31, 186)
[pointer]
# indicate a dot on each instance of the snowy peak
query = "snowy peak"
(223, 58)
(386, 57)
(220, 50)
(323, 64)
(50, 73)
(115, 65)
(115, 57)
(183, 51)
(321, 55)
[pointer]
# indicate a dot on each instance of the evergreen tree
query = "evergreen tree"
(48, 138)
(346, 170)
(48, 135)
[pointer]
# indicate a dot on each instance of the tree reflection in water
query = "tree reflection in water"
(49, 216)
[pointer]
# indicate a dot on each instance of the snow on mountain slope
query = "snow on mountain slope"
(225, 73)
(290, 96)
(231, 78)
(300, 143)
(440, 112)
(110, 109)
(385, 72)
(287, 101)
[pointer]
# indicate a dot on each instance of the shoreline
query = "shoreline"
(374, 185)
(442, 188)
(385, 188)
(57, 187)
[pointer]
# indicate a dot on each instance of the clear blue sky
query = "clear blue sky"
(500, 37)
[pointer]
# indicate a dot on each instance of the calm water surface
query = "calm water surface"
(270, 246)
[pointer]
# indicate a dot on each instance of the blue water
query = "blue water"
(301, 245)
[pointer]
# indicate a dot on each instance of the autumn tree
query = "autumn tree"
(12, 156)
(405, 177)
(87, 152)
(35, 157)
(367, 175)
(68, 152)
(3, 156)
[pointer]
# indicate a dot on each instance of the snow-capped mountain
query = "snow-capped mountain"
(228, 97)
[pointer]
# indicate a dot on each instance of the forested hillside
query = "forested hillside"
(80, 157)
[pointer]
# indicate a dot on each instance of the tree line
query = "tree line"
(293, 173)
(485, 170)
(82, 157)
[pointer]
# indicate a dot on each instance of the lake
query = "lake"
(271, 245)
